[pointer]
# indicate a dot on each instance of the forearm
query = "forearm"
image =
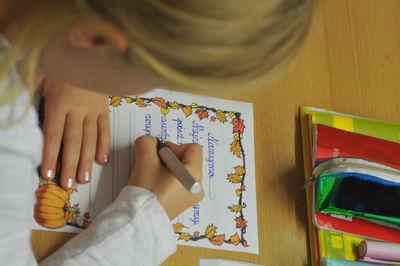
(134, 230)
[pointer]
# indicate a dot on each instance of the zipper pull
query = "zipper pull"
(308, 182)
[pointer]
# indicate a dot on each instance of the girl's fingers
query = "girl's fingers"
(190, 154)
(67, 110)
(72, 147)
(53, 128)
(103, 141)
(150, 174)
(179, 150)
(88, 149)
(146, 153)
(147, 164)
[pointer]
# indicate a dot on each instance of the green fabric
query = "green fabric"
(327, 186)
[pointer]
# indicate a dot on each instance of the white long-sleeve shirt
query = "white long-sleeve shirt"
(134, 230)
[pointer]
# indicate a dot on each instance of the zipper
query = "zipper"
(317, 171)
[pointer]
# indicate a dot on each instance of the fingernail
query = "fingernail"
(70, 182)
(50, 174)
(86, 176)
(105, 158)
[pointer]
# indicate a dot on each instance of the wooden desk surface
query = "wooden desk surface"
(350, 63)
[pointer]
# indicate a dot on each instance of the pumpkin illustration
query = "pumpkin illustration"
(53, 209)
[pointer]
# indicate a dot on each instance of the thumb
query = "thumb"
(189, 154)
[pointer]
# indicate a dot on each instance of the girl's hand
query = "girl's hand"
(149, 173)
(78, 120)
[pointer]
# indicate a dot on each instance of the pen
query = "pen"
(175, 166)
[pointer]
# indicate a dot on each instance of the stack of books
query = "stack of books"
(352, 172)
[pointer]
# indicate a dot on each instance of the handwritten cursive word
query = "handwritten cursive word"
(196, 129)
(147, 124)
(179, 130)
(196, 214)
(164, 132)
(212, 143)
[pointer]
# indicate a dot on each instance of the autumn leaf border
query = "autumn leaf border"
(236, 148)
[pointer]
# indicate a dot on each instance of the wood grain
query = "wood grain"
(350, 63)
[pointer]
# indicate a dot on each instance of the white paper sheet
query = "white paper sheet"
(227, 217)
(222, 262)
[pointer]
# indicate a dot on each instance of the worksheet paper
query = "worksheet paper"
(227, 216)
(222, 262)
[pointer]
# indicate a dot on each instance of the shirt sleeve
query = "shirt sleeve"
(16, 201)
(20, 154)
(134, 230)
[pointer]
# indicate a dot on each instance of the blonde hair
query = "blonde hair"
(193, 44)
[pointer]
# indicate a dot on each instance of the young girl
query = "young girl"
(120, 47)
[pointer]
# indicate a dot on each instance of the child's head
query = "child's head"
(125, 46)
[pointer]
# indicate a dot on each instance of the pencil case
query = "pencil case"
(358, 188)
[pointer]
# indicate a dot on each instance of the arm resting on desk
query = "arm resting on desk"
(134, 230)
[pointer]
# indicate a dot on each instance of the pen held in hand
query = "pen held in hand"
(175, 166)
